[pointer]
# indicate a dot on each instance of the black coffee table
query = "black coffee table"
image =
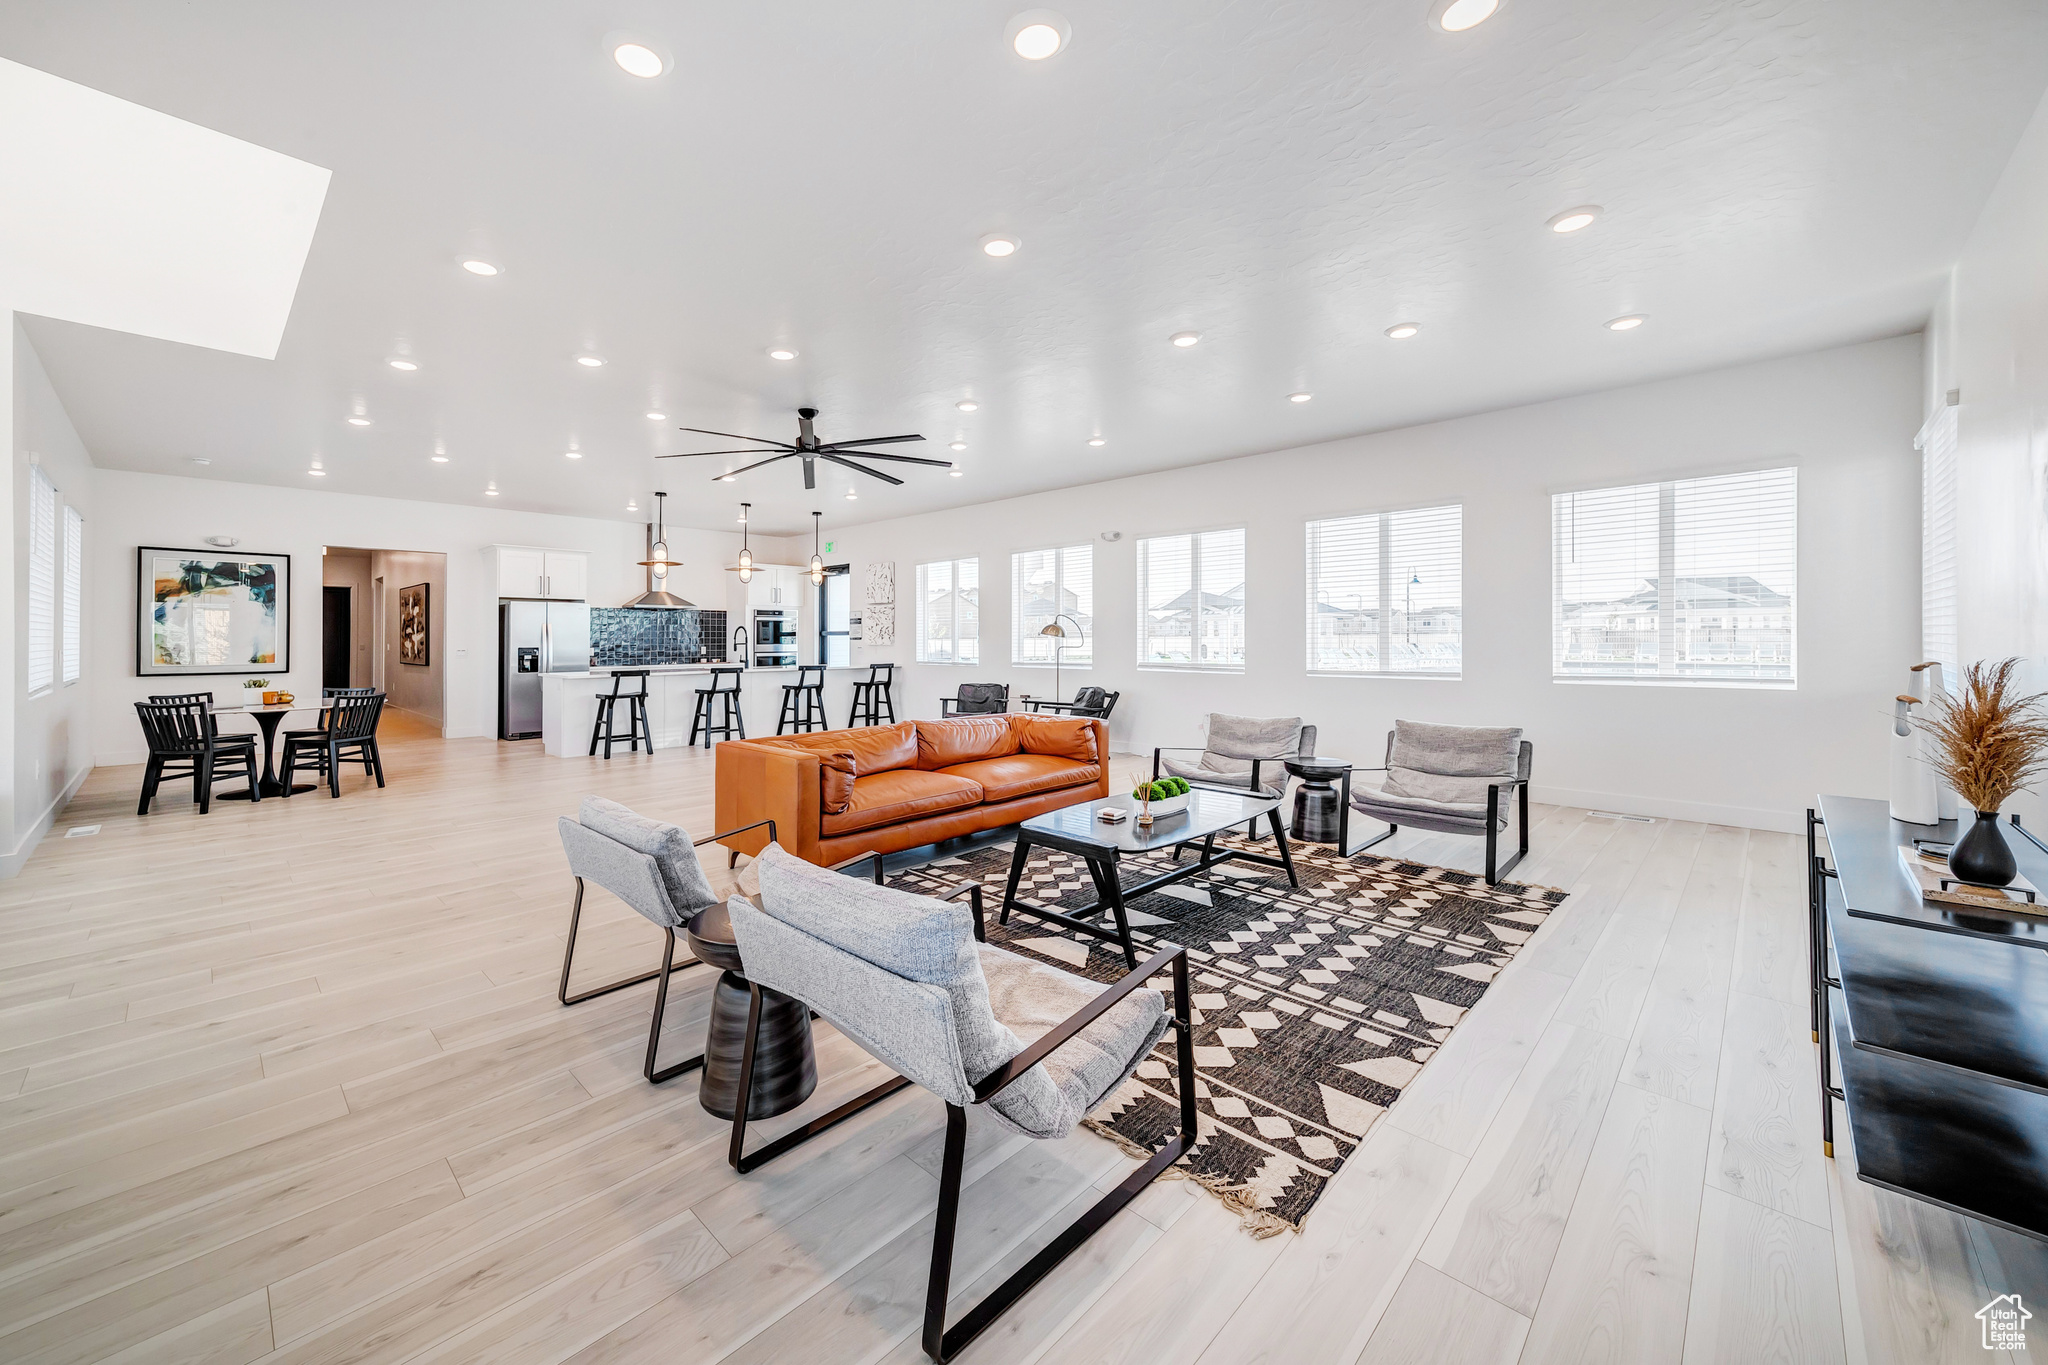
(1075, 830)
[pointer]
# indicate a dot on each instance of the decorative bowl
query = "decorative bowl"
(1172, 805)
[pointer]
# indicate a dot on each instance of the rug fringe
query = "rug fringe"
(1250, 1218)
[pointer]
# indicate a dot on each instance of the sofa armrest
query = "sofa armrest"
(754, 783)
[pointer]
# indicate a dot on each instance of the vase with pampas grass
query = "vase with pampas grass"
(1990, 740)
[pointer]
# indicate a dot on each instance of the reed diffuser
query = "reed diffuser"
(1990, 740)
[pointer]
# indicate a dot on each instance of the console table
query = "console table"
(1935, 1020)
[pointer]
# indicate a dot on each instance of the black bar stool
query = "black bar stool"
(803, 702)
(871, 698)
(636, 713)
(724, 694)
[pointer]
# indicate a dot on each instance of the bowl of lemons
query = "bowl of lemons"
(1166, 796)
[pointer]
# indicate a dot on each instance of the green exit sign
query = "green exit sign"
(828, 547)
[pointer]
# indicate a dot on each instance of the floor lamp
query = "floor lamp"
(1059, 632)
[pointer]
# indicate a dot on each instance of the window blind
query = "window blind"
(1046, 583)
(949, 612)
(1938, 542)
(1191, 601)
(74, 586)
(42, 580)
(1691, 581)
(1386, 593)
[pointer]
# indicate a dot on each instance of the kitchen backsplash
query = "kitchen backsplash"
(624, 636)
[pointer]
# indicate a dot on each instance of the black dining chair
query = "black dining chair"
(245, 737)
(348, 730)
(182, 743)
(977, 699)
(318, 734)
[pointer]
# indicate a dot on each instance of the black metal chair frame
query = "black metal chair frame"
(1512, 786)
(732, 717)
(940, 1343)
(991, 706)
(1075, 708)
(803, 702)
(338, 731)
(636, 707)
(872, 697)
(196, 750)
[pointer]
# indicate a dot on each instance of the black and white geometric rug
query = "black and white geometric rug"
(1314, 1008)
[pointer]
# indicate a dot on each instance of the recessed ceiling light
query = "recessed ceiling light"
(958, 445)
(637, 56)
(573, 454)
(592, 361)
(1401, 331)
(492, 491)
(781, 353)
(1299, 397)
(852, 496)
(482, 268)
(201, 459)
(1571, 220)
(1097, 441)
(1037, 34)
(1000, 244)
(725, 478)
(401, 363)
(359, 421)
(657, 417)
(967, 405)
(632, 504)
(1626, 324)
(316, 471)
(1185, 338)
(1455, 16)
(956, 473)
(438, 459)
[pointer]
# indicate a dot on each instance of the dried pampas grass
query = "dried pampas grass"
(1991, 740)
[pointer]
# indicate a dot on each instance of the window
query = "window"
(1191, 601)
(42, 581)
(1385, 593)
(1688, 582)
(74, 585)
(1049, 583)
(1938, 542)
(949, 612)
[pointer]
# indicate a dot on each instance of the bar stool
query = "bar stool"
(723, 694)
(803, 701)
(871, 698)
(636, 713)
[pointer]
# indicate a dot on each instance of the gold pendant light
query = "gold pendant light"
(746, 554)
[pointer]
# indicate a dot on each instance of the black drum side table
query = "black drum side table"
(785, 1061)
(1322, 811)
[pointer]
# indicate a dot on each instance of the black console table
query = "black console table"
(1934, 1017)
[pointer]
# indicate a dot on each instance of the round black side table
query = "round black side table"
(1322, 813)
(785, 1061)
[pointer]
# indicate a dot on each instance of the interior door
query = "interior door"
(335, 605)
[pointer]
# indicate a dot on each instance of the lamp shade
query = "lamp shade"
(1056, 629)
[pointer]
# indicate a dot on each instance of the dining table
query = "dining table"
(268, 718)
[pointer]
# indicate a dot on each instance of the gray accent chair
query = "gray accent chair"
(1450, 779)
(912, 980)
(1242, 754)
(651, 866)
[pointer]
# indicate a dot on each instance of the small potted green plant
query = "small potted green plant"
(1158, 799)
(254, 690)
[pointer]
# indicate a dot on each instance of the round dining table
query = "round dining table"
(268, 718)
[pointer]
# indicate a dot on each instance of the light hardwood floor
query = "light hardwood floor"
(289, 1082)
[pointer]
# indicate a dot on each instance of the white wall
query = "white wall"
(349, 569)
(150, 509)
(1846, 417)
(50, 749)
(411, 687)
(1989, 339)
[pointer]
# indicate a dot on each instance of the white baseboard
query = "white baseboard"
(1707, 813)
(12, 863)
(121, 758)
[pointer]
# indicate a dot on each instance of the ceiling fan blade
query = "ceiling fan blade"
(810, 472)
(899, 459)
(692, 454)
(875, 473)
(871, 441)
(735, 436)
(731, 472)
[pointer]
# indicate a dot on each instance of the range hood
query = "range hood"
(658, 564)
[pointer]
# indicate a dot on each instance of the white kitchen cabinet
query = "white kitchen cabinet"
(525, 571)
(565, 575)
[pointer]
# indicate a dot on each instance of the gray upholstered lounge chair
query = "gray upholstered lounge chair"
(651, 866)
(1241, 754)
(1451, 779)
(910, 980)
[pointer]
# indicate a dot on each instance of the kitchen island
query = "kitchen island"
(569, 703)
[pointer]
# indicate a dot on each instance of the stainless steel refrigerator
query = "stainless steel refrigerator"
(536, 638)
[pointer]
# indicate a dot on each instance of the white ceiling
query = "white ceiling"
(1288, 179)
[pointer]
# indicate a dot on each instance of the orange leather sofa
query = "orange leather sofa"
(881, 788)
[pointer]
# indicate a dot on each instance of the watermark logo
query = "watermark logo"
(2005, 1323)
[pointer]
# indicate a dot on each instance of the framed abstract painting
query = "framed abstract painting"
(412, 625)
(201, 612)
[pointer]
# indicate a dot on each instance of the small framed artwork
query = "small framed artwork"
(412, 625)
(204, 612)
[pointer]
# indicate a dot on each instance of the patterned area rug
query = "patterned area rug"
(1314, 1008)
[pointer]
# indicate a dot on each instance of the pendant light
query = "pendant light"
(746, 554)
(817, 560)
(658, 562)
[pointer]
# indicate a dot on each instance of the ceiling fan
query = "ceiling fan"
(810, 450)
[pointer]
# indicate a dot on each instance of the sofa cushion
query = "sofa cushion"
(682, 875)
(1451, 764)
(890, 798)
(836, 772)
(1057, 736)
(963, 739)
(1001, 779)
